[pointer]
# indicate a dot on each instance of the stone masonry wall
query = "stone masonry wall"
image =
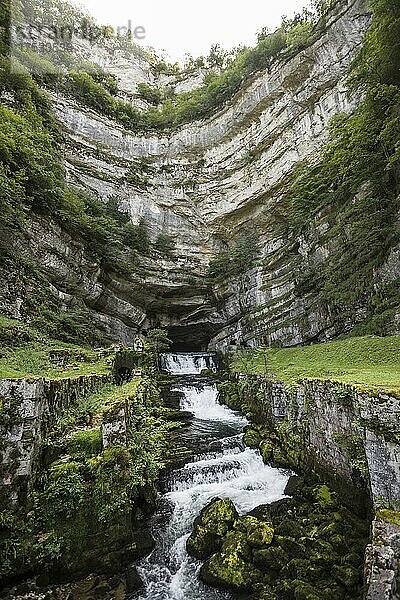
(28, 409)
(346, 435)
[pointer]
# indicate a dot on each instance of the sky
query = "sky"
(180, 26)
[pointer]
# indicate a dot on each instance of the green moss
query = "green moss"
(210, 527)
(252, 438)
(273, 558)
(258, 533)
(229, 394)
(219, 516)
(313, 548)
(291, 546)
(324, 496)
(266, 450)
(388, 516)
(88, 442)
(236, 542)
(346, 575)
(229, 570)
(304, 591)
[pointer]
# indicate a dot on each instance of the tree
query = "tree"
(157, 340)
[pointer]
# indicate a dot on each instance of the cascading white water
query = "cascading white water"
(201, 399)
(188, 363)
(226, 468)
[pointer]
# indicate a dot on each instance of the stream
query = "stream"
(222, 466)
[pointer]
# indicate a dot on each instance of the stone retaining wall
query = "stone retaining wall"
(29, 408)
(349, 436)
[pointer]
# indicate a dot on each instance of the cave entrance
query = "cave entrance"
(194, 338)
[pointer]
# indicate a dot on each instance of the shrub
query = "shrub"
(165, 244)
(88, 442)
(150, 94)
(235, 261)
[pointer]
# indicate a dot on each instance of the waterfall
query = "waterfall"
(222, 467)
(188, 363)
(201, 399)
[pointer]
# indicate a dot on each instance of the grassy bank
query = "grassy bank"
(370, 363)
(26, 352)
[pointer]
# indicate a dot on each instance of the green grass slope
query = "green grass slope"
(370, 363)
(26, 352)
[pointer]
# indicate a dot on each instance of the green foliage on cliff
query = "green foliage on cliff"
(175, 110)
(365, 362)
(235, 261)
(165, 244)
(33, 186)
(32, 175)
(86, 510)
(150, 94)
(97, 90)
(355, 186)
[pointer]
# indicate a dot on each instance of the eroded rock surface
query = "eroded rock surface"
(206, 184)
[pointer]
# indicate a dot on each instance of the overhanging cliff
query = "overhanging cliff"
(202, 186)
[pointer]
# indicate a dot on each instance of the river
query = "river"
(221, 467)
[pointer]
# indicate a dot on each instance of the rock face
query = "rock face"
(29, 408)
(349, 437)
(207, 183)
(381, 565)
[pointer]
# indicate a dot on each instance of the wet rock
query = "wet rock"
(214, 522)
(280, 507)
(346, 575)
(273, 558)
(258, 533)
(290, 528)
(294, 485)
(263, 592)
(229, 570)
(291, 546)
(133, 580)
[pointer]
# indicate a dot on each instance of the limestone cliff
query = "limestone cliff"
(206, 183)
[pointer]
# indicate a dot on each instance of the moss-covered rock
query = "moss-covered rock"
(308, 547)
(263, 592)
(388, 516)
(258, 533)
(266, 450)
(230, 395)
(229, 570)
(236, 542)
(290, 528)
(252, 437)
(324, 496)
(304, 569)
(210, 527)
(304, 591)
(273, 558)
(291, 546)
(346, 575)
